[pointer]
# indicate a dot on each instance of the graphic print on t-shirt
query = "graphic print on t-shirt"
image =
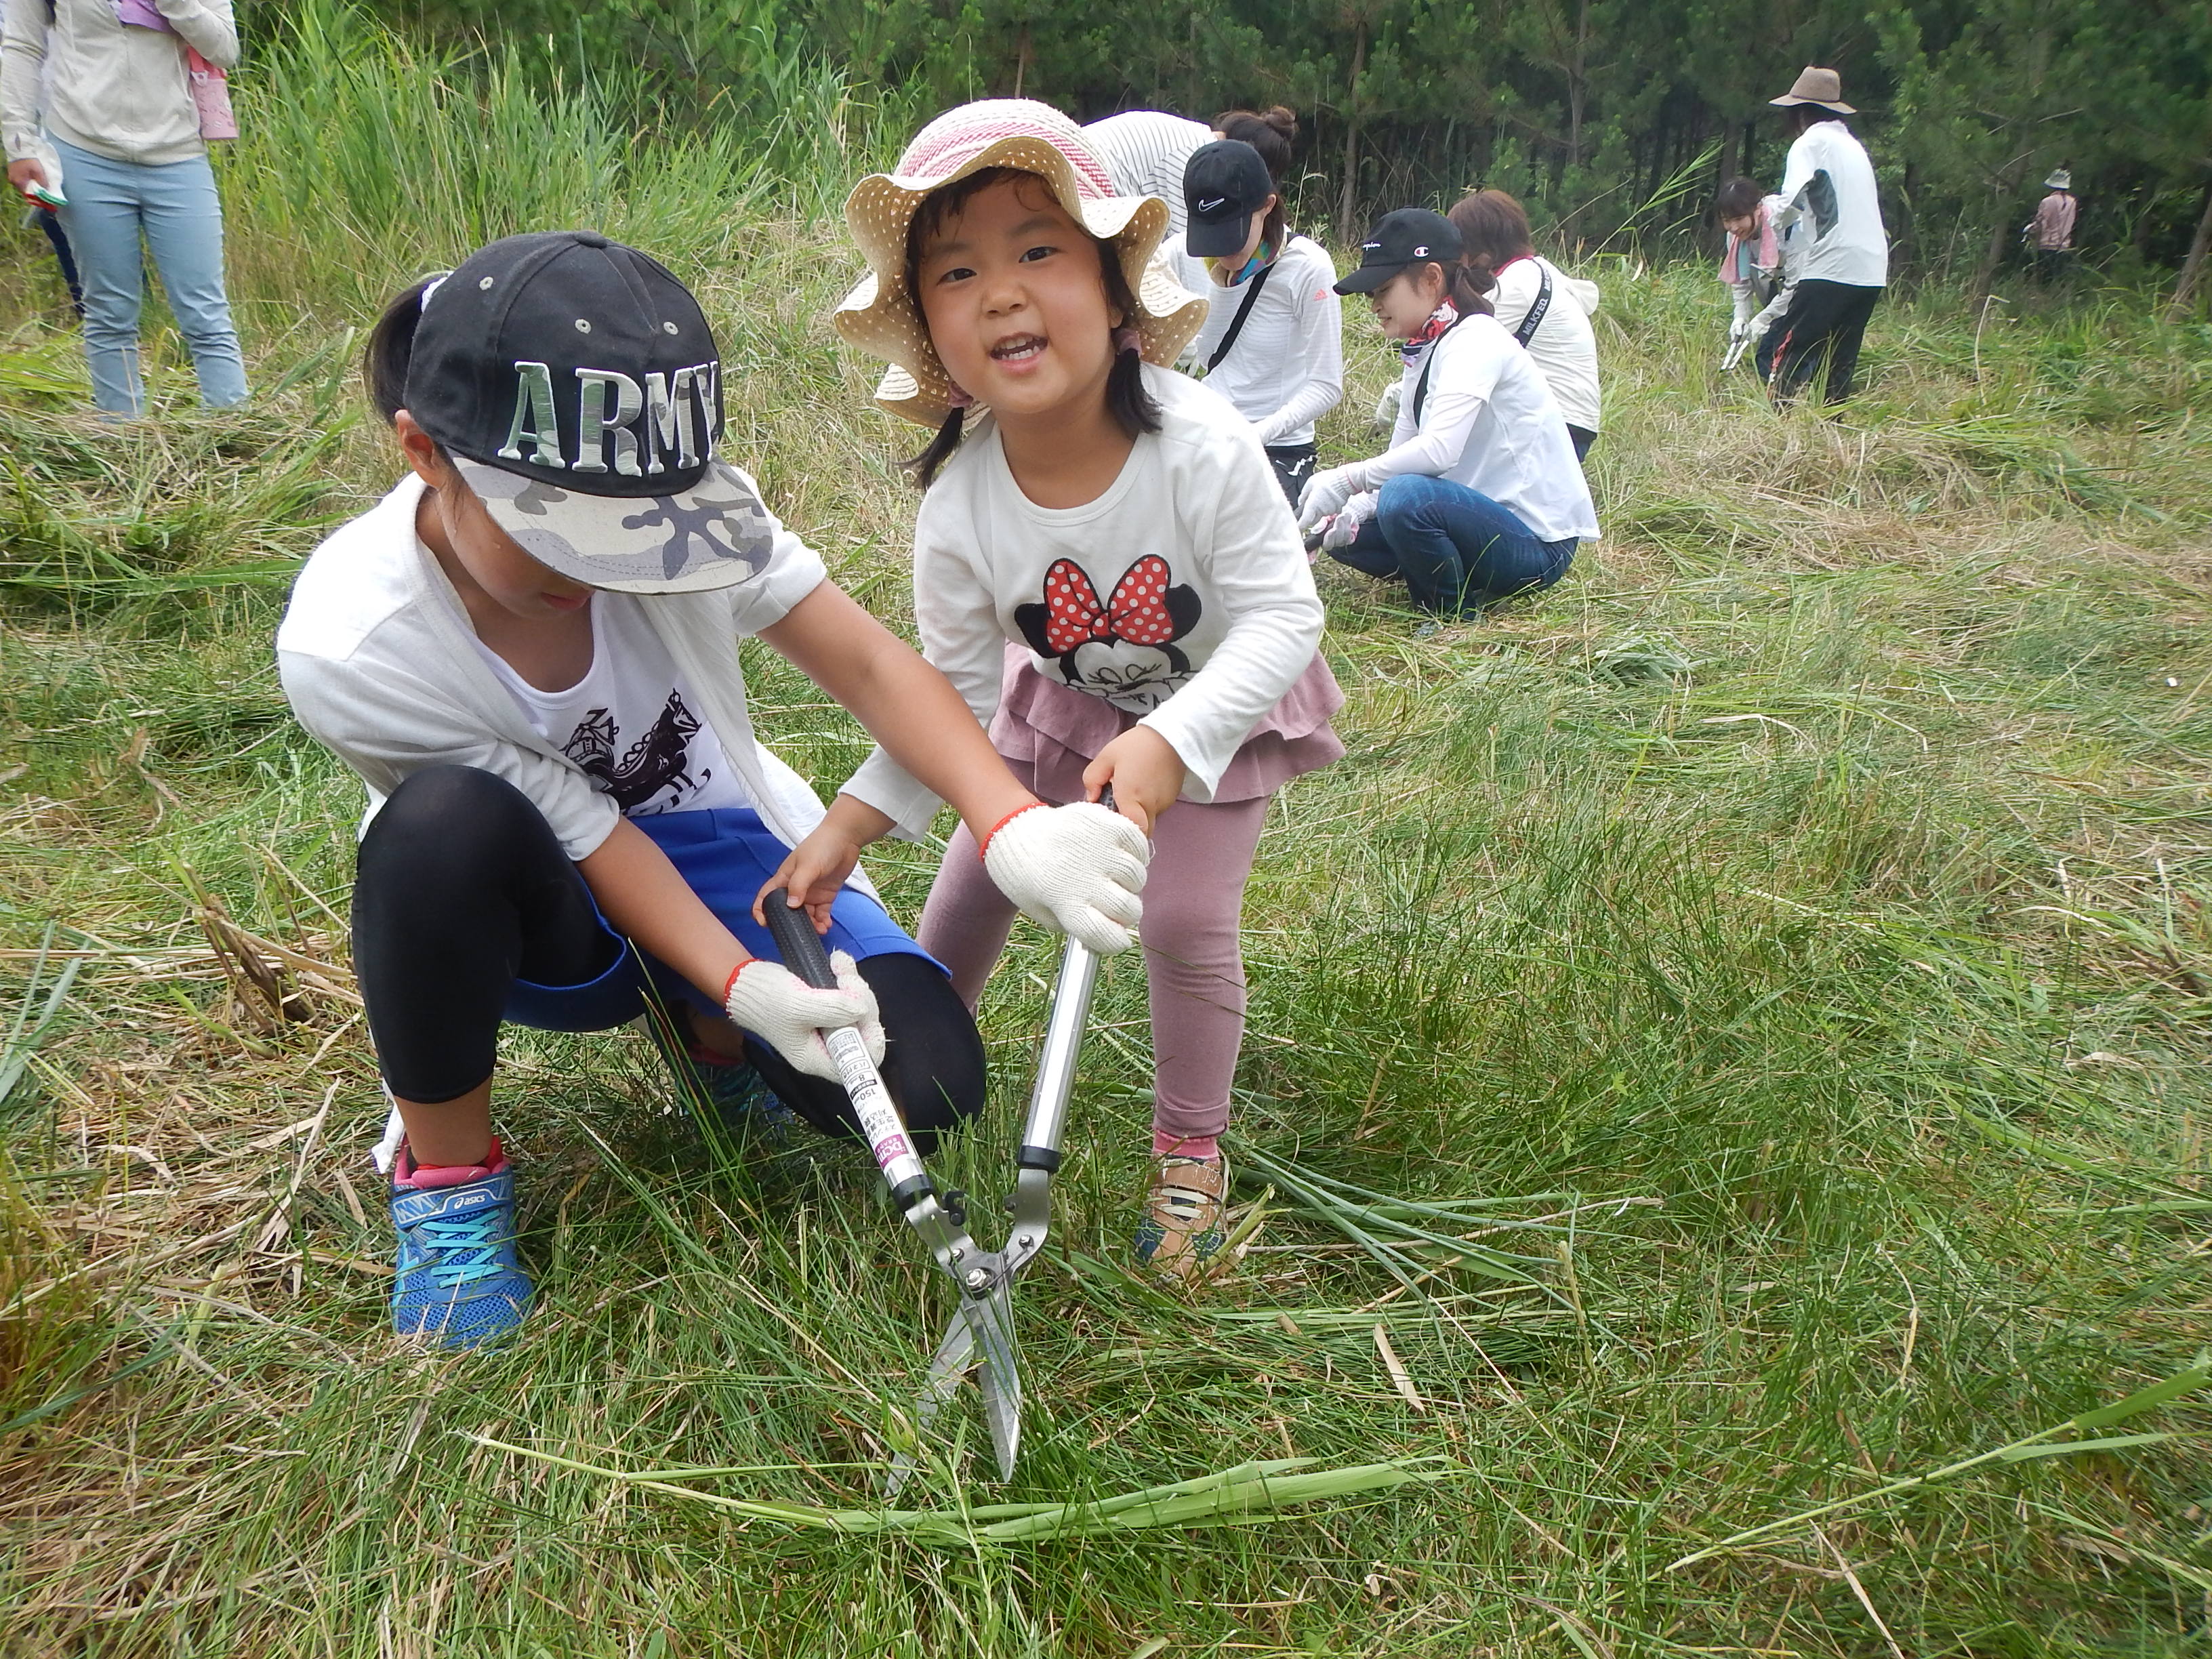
(1124, 649)
(660, 760)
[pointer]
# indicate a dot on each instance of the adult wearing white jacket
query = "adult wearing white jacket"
(1834, 245)
(108, 105)
(1542, 308)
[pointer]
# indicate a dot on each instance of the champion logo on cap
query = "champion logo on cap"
(1421, 251)
(1371, 247)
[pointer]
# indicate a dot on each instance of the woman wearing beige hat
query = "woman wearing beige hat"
(1836, 243)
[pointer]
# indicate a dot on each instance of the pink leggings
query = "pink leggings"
(1194, 967)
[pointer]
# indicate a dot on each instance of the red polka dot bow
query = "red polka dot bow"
(1138, 612)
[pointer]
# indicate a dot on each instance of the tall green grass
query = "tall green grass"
(368, 157)
(1801, 914)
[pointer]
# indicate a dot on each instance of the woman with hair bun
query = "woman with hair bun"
(1541, 307)
(1273, 342)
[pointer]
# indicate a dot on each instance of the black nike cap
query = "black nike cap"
(1224, 184)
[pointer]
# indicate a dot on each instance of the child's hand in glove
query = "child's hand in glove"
(1076, 869)
(790, 1015)
(1325, 493)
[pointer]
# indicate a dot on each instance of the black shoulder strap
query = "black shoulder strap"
(1421, 385)
(1236, 323)
(1541, 304)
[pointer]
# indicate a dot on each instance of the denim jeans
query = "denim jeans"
(175, 207)
(1458, 549)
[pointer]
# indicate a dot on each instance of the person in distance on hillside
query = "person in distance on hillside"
(1105, 567)
(1751, 263)
(1545, 310)
(528, 652)
(1273, 340)
(119, 111)
(2051, 233)
(1836, 248)
(1480, 495)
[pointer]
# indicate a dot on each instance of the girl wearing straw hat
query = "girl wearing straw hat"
(1105, 567)
(1837, 246)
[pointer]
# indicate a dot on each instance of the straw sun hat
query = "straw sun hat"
(880, 316)
(1819, 85)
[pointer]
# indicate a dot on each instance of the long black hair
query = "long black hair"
(1132, 408)
(391, 347)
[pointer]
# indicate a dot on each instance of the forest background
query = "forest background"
(1614, 119)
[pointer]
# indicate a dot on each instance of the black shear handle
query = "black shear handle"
(796, 942)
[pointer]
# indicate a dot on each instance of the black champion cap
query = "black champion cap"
(575, 383)
(1406, 237)
(1224, 184)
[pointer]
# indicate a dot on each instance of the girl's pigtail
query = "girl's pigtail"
(1131, 406)
(923, 468)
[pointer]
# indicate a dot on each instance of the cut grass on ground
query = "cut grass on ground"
(1801, 911)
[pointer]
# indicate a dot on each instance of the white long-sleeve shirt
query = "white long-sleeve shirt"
(1837, 235)
(111, 87)
(1286, 369)
(1182, 594)
(1489, 421)
(1564, 344)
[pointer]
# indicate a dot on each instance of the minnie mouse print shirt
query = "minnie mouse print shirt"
(1182, 594)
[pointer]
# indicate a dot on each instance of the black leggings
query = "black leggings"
(463, 888)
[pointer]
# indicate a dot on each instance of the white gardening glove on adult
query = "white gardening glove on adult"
(790, 1016)
(1344, 529)
(1325, 493)
(1075, 869)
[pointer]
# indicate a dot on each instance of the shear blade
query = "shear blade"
(991, 1321)
(954, 1357)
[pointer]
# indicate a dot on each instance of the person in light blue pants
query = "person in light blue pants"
(175, 207)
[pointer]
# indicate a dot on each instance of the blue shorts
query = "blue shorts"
(724, 855)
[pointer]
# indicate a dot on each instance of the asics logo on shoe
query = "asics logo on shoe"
(456, 1201)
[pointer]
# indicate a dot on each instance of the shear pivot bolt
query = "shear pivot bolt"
(977, 1278)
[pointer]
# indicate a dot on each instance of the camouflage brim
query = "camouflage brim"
(714, 535)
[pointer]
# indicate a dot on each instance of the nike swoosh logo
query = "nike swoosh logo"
(1218, 202)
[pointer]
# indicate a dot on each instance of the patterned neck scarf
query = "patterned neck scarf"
(1439, 320)
(1263, 255)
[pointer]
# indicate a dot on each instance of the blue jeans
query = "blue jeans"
(175, 207)
(1458, 549)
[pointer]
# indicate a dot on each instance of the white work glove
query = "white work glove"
(790, 1016)
(1344, 529)
(1740, 330)
(1077, 869)
(1386, 406)
(1325, 493)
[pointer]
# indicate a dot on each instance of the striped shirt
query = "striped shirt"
(1146, 149)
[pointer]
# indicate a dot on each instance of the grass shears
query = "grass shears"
(979, 1336)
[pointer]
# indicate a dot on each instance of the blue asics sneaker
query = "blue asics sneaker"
(457, 1284)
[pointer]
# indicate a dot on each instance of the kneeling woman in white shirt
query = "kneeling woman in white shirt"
(1479, 496)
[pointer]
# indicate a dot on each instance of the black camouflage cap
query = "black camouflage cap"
(577, 387)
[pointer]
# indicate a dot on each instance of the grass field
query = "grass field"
(1799, 915)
